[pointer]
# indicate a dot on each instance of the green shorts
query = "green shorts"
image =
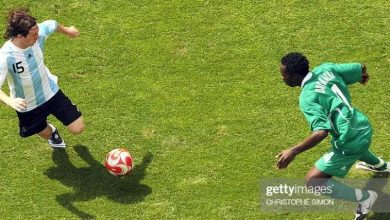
(344, 154)
(336, 164)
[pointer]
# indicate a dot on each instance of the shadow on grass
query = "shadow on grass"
(94, 181)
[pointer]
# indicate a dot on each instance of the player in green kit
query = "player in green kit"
(326, 103)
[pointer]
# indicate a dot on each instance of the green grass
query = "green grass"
(192, 89)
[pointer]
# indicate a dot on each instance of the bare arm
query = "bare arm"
(287, 156)
(17, 103)
(69, 31)
(365, 75)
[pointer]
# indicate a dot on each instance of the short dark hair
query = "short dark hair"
(296, 63)
(19, 22)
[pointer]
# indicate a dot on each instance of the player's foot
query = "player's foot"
(366, 166)
(56, 141)
(364, 207)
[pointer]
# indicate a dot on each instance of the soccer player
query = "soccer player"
(326, 103)
(34, 92)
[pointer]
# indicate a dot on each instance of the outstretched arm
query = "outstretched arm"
(285, 157)
(69, 31)
(351, 72)
(365, 75)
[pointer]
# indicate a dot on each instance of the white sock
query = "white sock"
(53, 129)
(381, 162)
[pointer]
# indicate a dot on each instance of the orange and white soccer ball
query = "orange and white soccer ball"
(119, 162)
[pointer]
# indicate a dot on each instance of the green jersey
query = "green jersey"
(326, 104)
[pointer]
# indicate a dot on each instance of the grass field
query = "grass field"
(192, 89)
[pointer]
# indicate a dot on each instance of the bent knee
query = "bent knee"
(310, 181)
(76, 129)
(314, 181)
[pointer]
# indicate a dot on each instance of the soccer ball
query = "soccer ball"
(119, 162)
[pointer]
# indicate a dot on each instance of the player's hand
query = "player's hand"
(73, 32)
(365, 78)
(365, 75)
(285, 157)
(18, 104)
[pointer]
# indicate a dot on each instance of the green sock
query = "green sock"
(371, 158)
(344, 192)
(383, 167)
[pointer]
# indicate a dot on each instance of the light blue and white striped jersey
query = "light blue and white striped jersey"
(26, 73)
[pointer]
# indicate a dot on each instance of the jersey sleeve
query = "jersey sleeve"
(350, 72)
(45, 29)
(315, 116)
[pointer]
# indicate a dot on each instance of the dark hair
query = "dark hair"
(296, 63)
(19, 22)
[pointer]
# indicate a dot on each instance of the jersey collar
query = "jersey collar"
(307, 78)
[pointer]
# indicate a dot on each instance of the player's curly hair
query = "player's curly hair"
(19, 22)
(296, 63)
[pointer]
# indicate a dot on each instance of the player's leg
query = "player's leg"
(316, 177)
(45, 133)
(339, 190)
(68, 113)
(34, 122)
(333, 164)
(76, 127)
(51, 134)
(373, 163)
(369, 160)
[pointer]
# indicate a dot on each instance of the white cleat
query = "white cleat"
(365, 206)
(366, 166)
